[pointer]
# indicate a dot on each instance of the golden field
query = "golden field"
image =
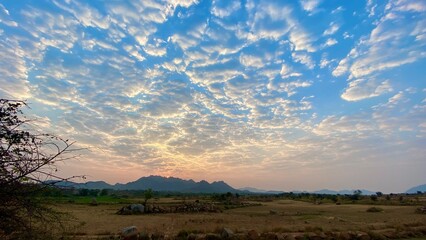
(278, 216)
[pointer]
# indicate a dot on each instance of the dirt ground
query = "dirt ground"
(277, 216)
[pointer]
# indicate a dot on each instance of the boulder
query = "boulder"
(137, 208)
(131, 209)
(212, 236)
(191, 236)
(421, 210)
(226, 233)
(269, 236)
(252, 235)
(130, 233)
(157, 236)
(362, 236)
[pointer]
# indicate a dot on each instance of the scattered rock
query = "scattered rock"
(269, 236)
(137, 208)
(362, 236)
(157, 236)
(273, 212)
(129, 233)
(252, 235)
(345, 236)
(421, 210)
(226, 233)
(144, 236)
(131, 209)
(191, 236)
(212, 236)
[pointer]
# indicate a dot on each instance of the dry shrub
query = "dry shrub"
(374, 209)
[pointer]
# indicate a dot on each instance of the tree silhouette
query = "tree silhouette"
(148, 194)
(27, 165)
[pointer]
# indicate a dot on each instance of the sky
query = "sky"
(283, 95)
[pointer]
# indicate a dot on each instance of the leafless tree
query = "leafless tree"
(28, 164)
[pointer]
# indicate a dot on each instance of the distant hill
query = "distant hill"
(158, 183)
(343, 192)
(323, 191)
(421, 188)
(256, 190)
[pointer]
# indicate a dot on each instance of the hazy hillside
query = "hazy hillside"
(256, 190)
(421, 188)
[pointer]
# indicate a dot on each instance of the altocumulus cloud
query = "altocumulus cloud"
(205, 89)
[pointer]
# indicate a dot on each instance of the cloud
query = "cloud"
(393, 31)
(301, 39)
(224, 9)
(5, 17)
(334, 27)
(330, 42)
(85, 14)
(362, 89)
(251, 61)
(14, 72)
(287, 71)
(269, 21)
(310, 5)
(290, 87)
(303, 58)
(52, 29)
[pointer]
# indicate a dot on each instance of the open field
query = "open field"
(279, 216)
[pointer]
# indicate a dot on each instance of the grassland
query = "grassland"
(281, 216)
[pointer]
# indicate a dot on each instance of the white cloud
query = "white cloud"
(290, 87)
(5, 17)
(310, 5)
(410, 5)
(286, 72)
(301, 40)
(51, 29)
(86, 15)
(334, 27)
(14, 73)
(330, 42)
(304, 59)
(360, 89)
(251, 61)
(393, 31)
(224, 9)
(183, 3)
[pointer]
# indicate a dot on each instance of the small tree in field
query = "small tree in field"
(27, 161)
(148, 194)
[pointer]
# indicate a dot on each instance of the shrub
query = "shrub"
(374, 209)
(27, 160)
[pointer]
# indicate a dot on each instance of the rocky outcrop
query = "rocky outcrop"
(131, 209)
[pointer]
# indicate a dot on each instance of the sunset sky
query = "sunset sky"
(283, 95)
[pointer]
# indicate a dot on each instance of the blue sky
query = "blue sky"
(282, 95)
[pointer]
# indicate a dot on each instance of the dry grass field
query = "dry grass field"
(279, 216)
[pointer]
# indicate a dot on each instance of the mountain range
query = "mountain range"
(158, 183)
(172, 184)
(421, 188)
